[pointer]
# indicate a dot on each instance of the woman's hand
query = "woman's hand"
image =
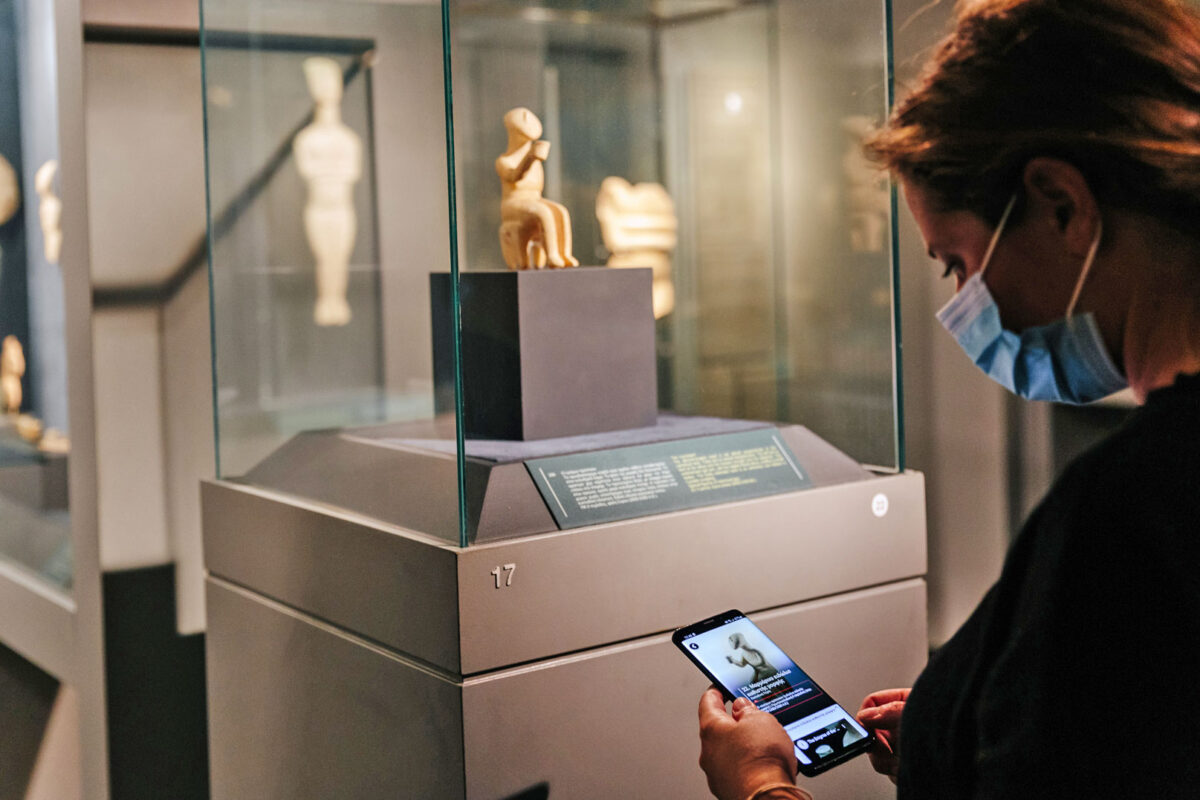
(742, 751)
(881, 713)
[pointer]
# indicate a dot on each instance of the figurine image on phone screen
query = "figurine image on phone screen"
(746, 656)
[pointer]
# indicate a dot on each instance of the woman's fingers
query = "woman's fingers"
(886, 716)
(883, 697)
(712, 709)
(742, 707)
(882, 712)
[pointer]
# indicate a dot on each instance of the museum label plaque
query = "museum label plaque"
(627, 482)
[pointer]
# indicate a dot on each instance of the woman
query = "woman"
(1051, 158)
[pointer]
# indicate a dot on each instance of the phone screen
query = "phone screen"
(739, 657)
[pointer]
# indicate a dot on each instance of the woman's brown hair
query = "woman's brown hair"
(1112, 86)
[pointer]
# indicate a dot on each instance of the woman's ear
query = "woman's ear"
(1058, 196)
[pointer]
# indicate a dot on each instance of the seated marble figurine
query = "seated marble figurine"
(534, 232)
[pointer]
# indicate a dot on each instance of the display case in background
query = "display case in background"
(51, 629)
(35, 532)
(388, 547)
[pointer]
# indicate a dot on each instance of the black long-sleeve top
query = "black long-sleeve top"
(1079, 673)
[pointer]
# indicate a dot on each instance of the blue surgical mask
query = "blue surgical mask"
(1065, 361)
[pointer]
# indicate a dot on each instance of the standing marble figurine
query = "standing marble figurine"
(12, 369)
(638, 225)
(49, 210)
(534, 232)
(329, 157)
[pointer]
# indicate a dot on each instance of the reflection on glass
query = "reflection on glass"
(282, 371)
(35, 531)
(326, 166)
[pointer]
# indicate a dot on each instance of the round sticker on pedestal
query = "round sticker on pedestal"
(879, 505)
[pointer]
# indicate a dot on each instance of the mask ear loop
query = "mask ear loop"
(1087, 267)
(987, 256)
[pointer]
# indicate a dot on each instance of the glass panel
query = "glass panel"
(838, 263)
(713, 141)
(774, 301)
(329, 211)
(34, 438)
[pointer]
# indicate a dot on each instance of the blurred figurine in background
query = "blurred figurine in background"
(52, 440)
(12, 369)
(329, 157)
(868, 199)
(534, 231)
(49, 210)
(10, 193)
(10, 196)
(638, 226)
(29, 428)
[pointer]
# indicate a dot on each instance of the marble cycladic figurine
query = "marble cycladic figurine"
(638, 225)
(29, 428)
(329, 157)
(49, 210)
(534, 232)
(12, 369)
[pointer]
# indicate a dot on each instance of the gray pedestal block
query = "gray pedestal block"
(311, 712)
(548, 353)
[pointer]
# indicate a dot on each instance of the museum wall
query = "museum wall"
(960, 427)
(146, 201)
(179, 14)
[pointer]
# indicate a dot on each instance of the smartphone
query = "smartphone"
(742, 662)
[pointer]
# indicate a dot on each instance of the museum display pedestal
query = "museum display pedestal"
(468, 590)
(547, 353)
(353, 656)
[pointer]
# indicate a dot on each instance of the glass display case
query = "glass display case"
(531, 319)
(358, 211)
(35, 528)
